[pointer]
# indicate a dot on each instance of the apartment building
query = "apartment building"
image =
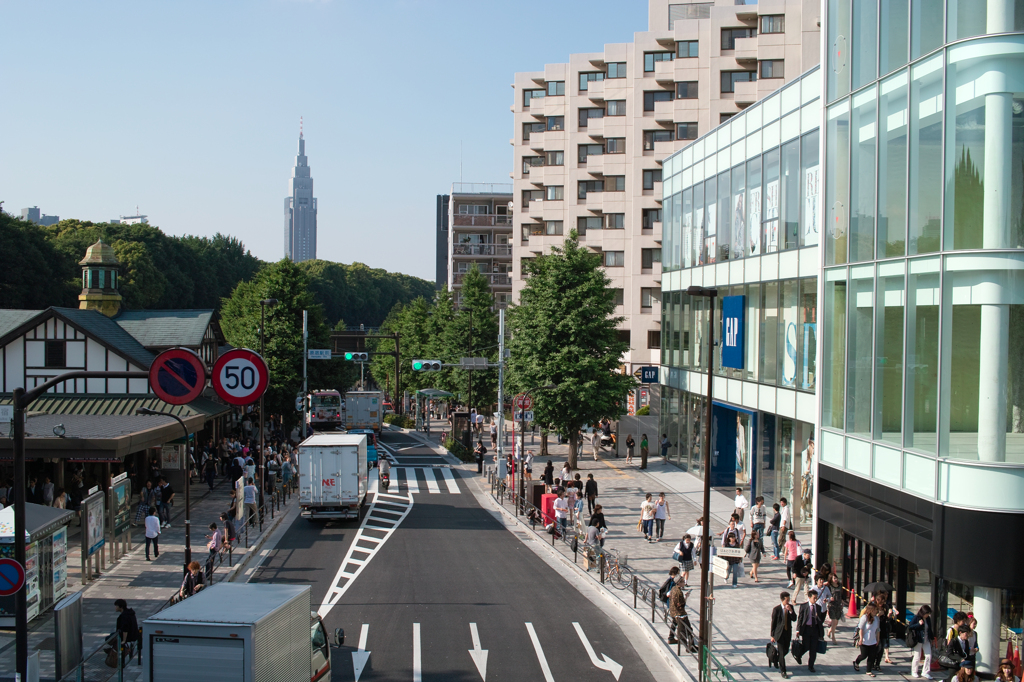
(479, 230)
(591, 134)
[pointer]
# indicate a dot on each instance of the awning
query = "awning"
(40, 521)
(435, 393)
(119, 404)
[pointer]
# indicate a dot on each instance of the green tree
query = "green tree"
(31, 276)
(473, 332)
(564, 333)
(142, 283)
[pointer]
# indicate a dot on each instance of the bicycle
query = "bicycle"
(618, 574)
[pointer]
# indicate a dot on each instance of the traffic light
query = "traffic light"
(357, 357)
(426, 365)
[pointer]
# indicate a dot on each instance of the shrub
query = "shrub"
(459, 450)
(400, 420)
(644, 411)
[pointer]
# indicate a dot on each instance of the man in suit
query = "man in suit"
(810, 626)
(782, 629)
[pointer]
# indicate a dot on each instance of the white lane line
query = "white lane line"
(479, 655)
(431, 481)
(411, 483)
(449, 480)
(387, 511)
(417, 664)
(361, 655)
(540, 653)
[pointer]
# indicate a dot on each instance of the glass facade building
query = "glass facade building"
(742, 213)
(921, 448)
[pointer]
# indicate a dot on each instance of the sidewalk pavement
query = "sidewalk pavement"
(145, 585)
(742, 614)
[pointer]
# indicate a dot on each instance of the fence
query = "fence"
(612, 569)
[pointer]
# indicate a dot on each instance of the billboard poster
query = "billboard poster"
(733, 316)
(93, 515)
(120, 505)
(754, 222)
(738, 223)
(170, 457)
(698, 221)
(812, 206)
(771, 214)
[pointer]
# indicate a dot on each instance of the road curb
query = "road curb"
(240, 567)
(675, 663)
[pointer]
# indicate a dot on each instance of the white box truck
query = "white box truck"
(239, 632)
(364, 411)
(333, 476)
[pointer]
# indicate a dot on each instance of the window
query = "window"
(652, 136)
(623, 335)
(474, 209)
(772, 68)
(686, 131)
(616, 107)
(651, 216)
(651, 177)
(556, 123)
(686, 90)
(648, 257)
(654, 338)
(531, 128)
(620, 298)
(589, 186)
(554, 158)
(586, 78)
(686, 48)
(584, 223)
(615, 183)
(530, 229)
(729, 36)
(587, 114)
(614, 259)
(651, 57)
(532, 195)
(722, 118)
(650, 297)
(615, 221)
(531, 161)
(554, 193)
(731, 78)
(773, 23)
(553, 226)
(656, 96)
(615, 145)
(617, 70)
(529, 95)
(56, 354)
(586, 150)
(524, 264)
(556, 88)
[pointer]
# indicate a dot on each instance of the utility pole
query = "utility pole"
(501, 385)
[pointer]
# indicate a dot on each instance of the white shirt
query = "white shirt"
(250, 494)
(152, 526)
(868, 631)
(784, 511)
(561, 508)
(741, 502)
(647, 510)
(660, 509)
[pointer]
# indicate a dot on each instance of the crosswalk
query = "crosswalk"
(434, 480)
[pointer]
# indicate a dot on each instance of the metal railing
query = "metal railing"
(481, 188)
(482, 250)
(494, 279)
(480, 220)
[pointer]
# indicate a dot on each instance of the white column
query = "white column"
(988, 610)
(999, 18)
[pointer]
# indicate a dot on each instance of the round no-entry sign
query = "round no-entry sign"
(240, 376)
(523, 402)
(12, 577)
(177, 376)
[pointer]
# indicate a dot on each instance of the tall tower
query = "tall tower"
(99, 280)
(300, 210)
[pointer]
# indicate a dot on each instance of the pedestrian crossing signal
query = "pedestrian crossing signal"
(357, 357)
(426, 365)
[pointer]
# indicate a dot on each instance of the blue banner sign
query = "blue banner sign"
(648, 375)
(733, 308)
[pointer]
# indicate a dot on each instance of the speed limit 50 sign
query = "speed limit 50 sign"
(240, 376)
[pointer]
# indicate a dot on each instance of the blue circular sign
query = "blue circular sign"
(12, 577)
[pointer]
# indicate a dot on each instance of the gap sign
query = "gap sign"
(733, 309)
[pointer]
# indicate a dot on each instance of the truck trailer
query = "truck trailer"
(364, 411)
(239, 632)
(333, 476)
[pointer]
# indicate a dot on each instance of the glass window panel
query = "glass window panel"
(790, 342)
(889, 311)
(862, 177)
(724, 217)
(838, 26)
(895, 15)
(864, 46)
(753, 332)
(859, 358)
(697, 230)
(685, 257)
(925, 186)
(708, 230)
(810, 192)
(925, 26)
(677, 314)
(790, 192)
(770, 227)
(807, 333)
(892, 167)
(769, 332)
(834, 349)
(985, 147)
(921, 407)
(754, 204)
(738, 213)
(837, 182)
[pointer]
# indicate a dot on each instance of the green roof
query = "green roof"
(166, 328)
(108, 404)
(12, 319)
(107, 332)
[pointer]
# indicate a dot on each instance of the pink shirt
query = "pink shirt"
(792, 550)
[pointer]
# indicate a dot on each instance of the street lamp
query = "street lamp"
(188, 486)
(264, 303)
(705, 544)
(522, 446)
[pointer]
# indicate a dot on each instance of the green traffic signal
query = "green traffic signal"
(417, 365)
(348, 356)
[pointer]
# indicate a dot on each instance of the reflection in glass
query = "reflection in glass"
(754, 205)
(837, 182)
(790, 194)
(966, 18)
(925, 26)
(833, 358)
(889, 306)
(686, 238)
(676, 326)
(862, 177)
(790, 341)
(770, 225)
(687, 332)
(669, 237)
(892, 166)
(808, 333)
(921, 408)
(738, 213)
(724, 217)
(769, 331)
(925, 186)
(838, 27)
(810, 191)
(709, 242)
(860, 358)
(753, 332)
(697, 231)
(893, 39)
(864, 45)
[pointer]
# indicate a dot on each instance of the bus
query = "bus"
(324, 410)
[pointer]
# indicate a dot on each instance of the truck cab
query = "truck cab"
(320, 661)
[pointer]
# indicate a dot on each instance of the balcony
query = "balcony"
(536, 142)
(746, 50)
(501, 280)
(464, 220)
(554, 106)
(664, 112)
(482, 250)
(594, 164)
(745, 93)
(595, 91)
(665, 72)
(595, 127)
(536, 209)
(663, 149)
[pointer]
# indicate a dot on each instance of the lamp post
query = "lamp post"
(263, 419)
(522, 446)
(704, 660)
(188, 486)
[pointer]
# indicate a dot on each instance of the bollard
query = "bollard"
(654, 605)
(635, 583)
(600, 564)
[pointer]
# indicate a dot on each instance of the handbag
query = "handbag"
(822, 647)
(911, 639)
(772, 652)
(676, 556)
(111, 660)
(947, 658)
(798, 649)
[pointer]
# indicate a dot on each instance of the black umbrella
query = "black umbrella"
(879, 587)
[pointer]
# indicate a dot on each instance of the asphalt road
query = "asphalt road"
(422, 579)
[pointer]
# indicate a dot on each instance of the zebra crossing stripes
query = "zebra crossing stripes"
(415, 479)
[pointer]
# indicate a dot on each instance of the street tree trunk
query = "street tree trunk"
(574, 448)
(544, 443)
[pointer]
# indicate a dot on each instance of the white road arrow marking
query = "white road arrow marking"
(479, 655)
(540, 653)
(417, 663)
(361, 656)
(604, 663)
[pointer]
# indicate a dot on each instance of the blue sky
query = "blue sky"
(190, 110)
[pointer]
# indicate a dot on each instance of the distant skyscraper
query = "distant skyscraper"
(33, 215)
(300, 211)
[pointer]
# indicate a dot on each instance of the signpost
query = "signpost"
(177, 376)
(720, 567)
(648, 375)
(12, 577)
(523, 402)
(318, 354)
(240, 377)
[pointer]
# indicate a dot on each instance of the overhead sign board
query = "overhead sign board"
(240, 376)
(729, 551)
(649, 375)
(733, 311)
(318, 354)
(177, 376)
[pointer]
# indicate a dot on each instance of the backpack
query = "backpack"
(483, 450)
(665, 589)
